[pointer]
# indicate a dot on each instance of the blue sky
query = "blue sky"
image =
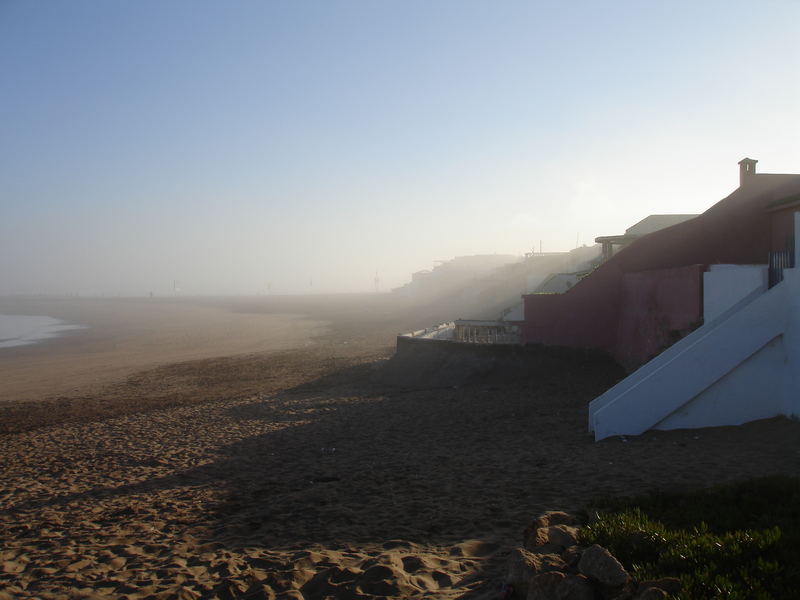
(232, 145)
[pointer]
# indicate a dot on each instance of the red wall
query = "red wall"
(782, 228)
(584, 317)
(658, 308)
(736, 230)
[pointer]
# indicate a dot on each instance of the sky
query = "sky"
(294, 147)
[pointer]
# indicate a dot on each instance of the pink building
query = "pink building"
(650, 293)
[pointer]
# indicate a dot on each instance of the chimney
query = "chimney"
(747, 168)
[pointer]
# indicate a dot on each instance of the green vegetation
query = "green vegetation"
(738, 542)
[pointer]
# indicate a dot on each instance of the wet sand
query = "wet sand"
(124, 336)
(300, 473)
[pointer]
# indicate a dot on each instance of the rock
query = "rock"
(597, 563)
(571, 555)
(536, 533)
(671, 585)
(557, 585)
(652, 593)
(614, 592)
(544, 586)
(558, 517)
(546, 549)
(523, 566)
(575, 587)
(562, 535)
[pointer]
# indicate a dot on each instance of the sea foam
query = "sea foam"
(21, 330)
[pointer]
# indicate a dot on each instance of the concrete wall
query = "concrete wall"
(725, 285)
(584, 317)
(740, 366)
(670, 382)
(442, 363)
(657, 309)
(632, 316)
(749, 392)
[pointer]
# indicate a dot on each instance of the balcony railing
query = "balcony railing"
(780, 260)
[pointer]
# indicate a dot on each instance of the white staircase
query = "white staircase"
(691, 384)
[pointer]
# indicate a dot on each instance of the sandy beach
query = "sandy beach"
(125, 336)
(286, 465)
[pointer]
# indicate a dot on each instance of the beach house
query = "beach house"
(611, 244)
(705, 313)
(650, 293)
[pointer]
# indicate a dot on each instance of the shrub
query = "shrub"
(740, 541)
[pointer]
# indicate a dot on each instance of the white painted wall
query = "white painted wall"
(749, 392)
(681, 373)
(743, 364)
(791, 338)
(725, 285)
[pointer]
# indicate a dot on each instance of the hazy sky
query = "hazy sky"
(228, 145)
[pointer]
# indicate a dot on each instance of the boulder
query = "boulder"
(544, 586)
(614, 592)
(597, 563)
(523, 566)
(556, 585)
(562, 535)
(536, 533)
(546, 549)
(571, 555)
(558, 517)
(575, 587)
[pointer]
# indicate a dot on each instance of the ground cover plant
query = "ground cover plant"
(739, 541)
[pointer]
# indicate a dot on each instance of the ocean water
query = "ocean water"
(20, 330)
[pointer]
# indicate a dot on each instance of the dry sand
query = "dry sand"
(302, 475)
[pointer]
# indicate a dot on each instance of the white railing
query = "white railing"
(483, 333)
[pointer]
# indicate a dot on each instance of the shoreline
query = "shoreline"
(26, 330)
(123, 338)
(126, 336)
